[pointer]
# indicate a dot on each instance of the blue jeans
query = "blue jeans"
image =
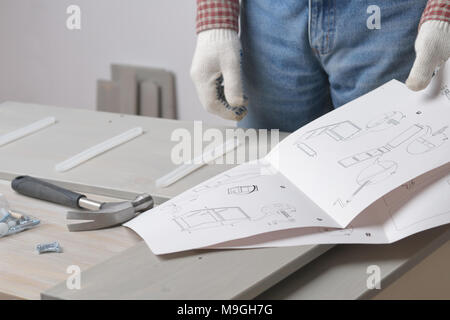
(301, 59)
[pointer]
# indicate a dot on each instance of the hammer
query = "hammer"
(101, 215)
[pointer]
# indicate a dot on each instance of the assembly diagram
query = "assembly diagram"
(385, 121)
(347, 130)
(206, 218)
(340, 131)
(227, 178)
(397, 141)
(280, 213)
(242, 190)
(428, 141)
(377, 172)
(418, 139)
(210, 218)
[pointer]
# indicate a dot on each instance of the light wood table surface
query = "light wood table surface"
(25, 274)
(130, 270)
(123, 172)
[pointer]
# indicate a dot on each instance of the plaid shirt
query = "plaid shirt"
(436, 10)
(218, 14)
(224, 14)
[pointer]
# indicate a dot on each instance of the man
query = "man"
(300, 58)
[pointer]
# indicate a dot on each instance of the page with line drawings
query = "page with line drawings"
(428, 207)
(351, 157)
(249, 199)
(312, 187)
(418, 205)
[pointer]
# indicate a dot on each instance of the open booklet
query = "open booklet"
(372, 171)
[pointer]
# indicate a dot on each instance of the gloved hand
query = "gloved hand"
(432, 49)
(216, 72)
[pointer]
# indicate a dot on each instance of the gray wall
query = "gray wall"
(42, 61)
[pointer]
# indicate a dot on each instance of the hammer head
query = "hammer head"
(110, 214)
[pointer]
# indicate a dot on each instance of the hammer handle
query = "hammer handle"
(42, 190)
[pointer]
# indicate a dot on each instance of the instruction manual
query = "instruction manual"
(372, 171)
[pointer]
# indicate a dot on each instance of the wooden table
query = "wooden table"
(412, 268)
(123, 172)
(128, 269)
(25, 274)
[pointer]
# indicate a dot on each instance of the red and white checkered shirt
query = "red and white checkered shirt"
(436, 10)
(218, 14)
(224, 14)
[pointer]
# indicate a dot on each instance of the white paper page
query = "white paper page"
(349, 158)
(368, 227)
(428, 207)
(420, 204)
(246, 200)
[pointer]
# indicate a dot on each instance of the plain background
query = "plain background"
(42, 61)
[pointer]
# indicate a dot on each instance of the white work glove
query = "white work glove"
(432, 49)
(216, 72)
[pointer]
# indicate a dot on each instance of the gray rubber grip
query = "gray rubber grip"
(42, 190)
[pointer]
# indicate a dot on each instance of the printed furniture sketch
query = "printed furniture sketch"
(428, 141)
(210, 217)
(421, 140)
(385, 121)
(346, 130)
(227, 179)
(241, 190)
(375, 173)
(281, 211)
(377, 152)
(340, 131)
(228, 216)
